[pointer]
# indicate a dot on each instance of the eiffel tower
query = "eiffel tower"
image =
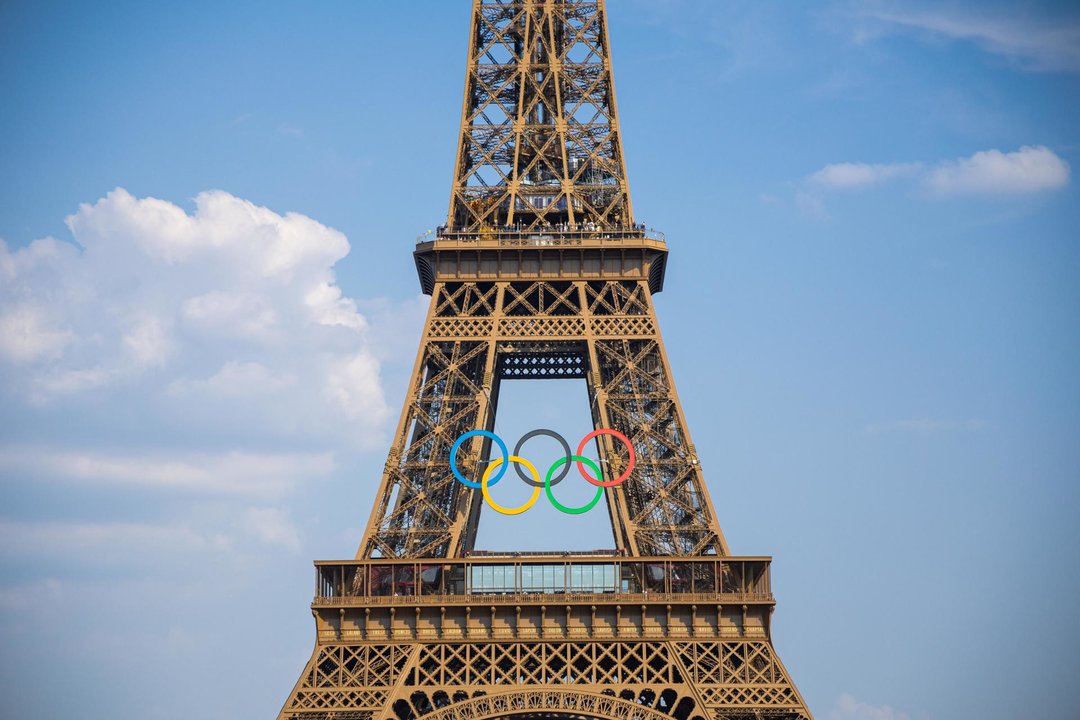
(541, 272)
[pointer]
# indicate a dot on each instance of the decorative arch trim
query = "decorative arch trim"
(520, 702)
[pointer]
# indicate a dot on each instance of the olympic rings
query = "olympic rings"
(629, 466)
(566, 451)
(484, 484)
(550, 479)
(457, 443)
(551, 496)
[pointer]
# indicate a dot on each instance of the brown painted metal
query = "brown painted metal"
(539, 142)
(479, 332)
(541, 272)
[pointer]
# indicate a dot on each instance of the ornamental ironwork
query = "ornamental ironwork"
(540, 271)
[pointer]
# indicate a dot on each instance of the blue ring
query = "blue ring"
(498, 441)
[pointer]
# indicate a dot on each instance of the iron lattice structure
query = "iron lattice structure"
(540, 139)
(540, 272)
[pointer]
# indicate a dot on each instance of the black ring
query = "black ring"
(552, 434)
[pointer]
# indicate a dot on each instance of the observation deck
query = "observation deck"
(543, 596)
(549, 253)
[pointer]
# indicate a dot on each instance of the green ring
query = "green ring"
(551, 496)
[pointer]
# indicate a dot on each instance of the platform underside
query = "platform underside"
(614, 678)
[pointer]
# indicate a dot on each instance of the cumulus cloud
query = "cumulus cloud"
(173, 361)
(1041, 44)
(848, 708)
(855, 175)
(188, 397)
(230, 300)
(26, 336)
(1028, 170)
(237, 314)
(235, 379)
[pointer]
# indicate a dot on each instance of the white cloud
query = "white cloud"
(133, 543)
(182, 360)
(26, 336)
(853, 175)
(53, 382)
(230, 300)
(181, 391)
(234, 379)
(104, 541)
(1043, 44)
(148, 343)
(348, 386)
(1028, 170)
(230, 473)
(328, 307)
(234, 314)
(848, 708)
(270, 526)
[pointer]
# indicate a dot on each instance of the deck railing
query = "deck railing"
(554, 236)
(695, 579)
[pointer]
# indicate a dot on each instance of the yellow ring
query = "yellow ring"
(499, 508)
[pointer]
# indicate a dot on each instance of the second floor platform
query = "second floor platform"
(543, 578)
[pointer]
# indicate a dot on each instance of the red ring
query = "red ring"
(626, 442)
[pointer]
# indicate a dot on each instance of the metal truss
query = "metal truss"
(541, 273)
(540, 142)
(676, 637)
(479, 333)
(644, 680)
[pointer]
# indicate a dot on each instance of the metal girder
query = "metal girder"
(606, 332)
(539, 142)
(647, 679)
(541, 272)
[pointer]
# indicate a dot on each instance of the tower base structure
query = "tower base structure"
(600, 636)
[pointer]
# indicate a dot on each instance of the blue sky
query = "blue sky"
(208, 313)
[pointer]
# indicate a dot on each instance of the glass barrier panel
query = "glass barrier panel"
(353, 581)
(757, 577)
(679, 577)
(654, 575)
(430, 580)
(381, 580)
(632, 577)
(592, 578)
(543, 578)
(455, 583)
(491, 579)
(729, 577)
(704, 577)
(405, 578)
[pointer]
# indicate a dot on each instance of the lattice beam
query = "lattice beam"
(541, 273)
(539, 141)
(478, 334)
(612, 679)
